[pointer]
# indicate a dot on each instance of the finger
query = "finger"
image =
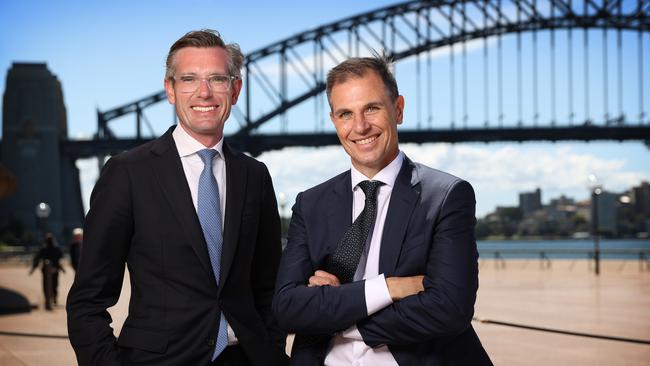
(420, 283)
(322, 281)
(321, 273)
(333, 278)
(317, 281)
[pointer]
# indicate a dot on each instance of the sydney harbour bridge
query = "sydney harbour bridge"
(480, 70)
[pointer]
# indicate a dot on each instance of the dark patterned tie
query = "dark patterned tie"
(343, 263)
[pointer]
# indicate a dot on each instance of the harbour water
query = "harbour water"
(633, 249)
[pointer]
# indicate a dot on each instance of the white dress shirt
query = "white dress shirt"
(187, 148)
(348, 347)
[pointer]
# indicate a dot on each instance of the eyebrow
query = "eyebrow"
(373, 104)
(365, 106)
(195, 74)
(340, 110)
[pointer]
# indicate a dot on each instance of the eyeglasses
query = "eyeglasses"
(216, 83)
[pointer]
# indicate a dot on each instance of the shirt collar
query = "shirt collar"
(387, 175)
(187, 145)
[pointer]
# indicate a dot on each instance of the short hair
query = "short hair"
(50, 240)
(357, 67)
(205, 38)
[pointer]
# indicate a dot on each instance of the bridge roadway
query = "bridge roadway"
(259, 143)
(565, 296)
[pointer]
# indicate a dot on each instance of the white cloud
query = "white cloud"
(497, 172)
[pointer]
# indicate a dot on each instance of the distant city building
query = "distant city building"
(563, 203)
(620, 215)
(529, 202)
(561, 216)
(641, 198)
(607, 213)
(583, 208)
(34, 123)
(502, 222)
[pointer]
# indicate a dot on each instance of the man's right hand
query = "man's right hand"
(322, 278)
(401, 287)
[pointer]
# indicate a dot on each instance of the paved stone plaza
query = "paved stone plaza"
(567, 296)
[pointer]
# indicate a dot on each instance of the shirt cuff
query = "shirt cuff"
(377, 295)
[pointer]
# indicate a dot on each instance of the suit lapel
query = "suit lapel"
(402, 202)
(236, 183)
(339, 211)
(169, 171)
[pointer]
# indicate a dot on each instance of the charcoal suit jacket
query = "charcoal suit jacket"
(429, 230)
(141, 214)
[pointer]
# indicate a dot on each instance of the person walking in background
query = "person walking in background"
(197, 225)
(75, 247)
(397, 285)
(50, 256)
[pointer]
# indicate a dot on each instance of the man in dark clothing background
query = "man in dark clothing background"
(50, 255)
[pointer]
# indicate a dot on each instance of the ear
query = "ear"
(169, 89)
(399, 110)
(236, 89)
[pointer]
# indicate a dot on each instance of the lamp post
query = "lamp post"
(43, 211)
(596, 190)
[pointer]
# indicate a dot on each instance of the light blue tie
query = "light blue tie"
(209, 209)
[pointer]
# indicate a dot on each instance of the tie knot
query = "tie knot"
(369, 188)
(207, 155)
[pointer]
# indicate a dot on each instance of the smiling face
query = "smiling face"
(366, 119)
(202, 113)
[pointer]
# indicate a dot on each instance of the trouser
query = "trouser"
(50, 285)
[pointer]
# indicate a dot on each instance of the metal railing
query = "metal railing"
(545, 256)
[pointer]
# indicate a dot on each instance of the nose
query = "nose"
(204, 88)
(360, 124)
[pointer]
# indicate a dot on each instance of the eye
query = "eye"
(372, 109)
(345, 115)
(187, 79)
(218, 79)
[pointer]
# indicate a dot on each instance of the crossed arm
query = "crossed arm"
(398, 287)
(310, 301)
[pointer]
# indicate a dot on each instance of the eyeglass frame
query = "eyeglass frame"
(231, 78)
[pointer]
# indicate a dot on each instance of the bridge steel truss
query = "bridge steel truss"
(285, 74)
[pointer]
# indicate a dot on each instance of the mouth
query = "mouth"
(204, 109)
(366, 141)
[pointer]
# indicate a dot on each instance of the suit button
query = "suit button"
(210, 342)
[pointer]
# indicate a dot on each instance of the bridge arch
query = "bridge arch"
(402, 30)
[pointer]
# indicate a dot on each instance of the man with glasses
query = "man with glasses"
(197, 225)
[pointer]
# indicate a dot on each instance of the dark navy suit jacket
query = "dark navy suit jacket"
(429, 230)
(141, 213)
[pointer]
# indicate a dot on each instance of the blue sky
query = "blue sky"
(110, 53)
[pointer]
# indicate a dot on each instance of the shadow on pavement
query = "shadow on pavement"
(12, 302)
